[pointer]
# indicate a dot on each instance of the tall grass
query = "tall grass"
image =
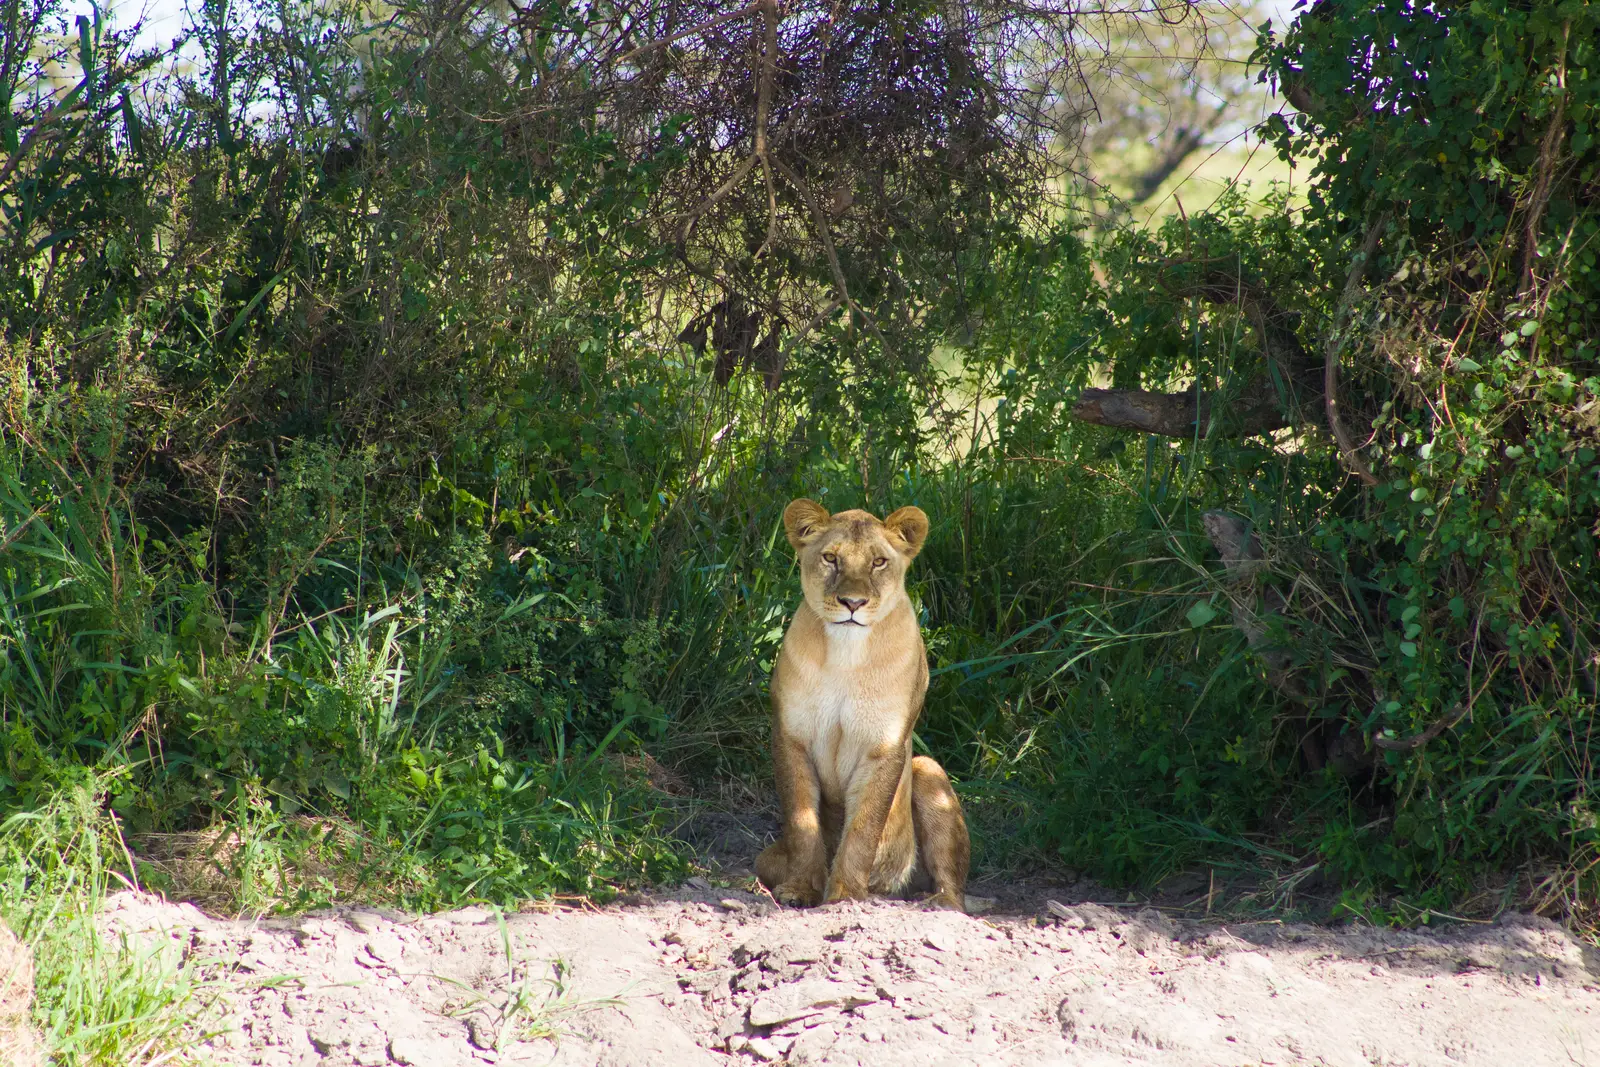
(101, 999)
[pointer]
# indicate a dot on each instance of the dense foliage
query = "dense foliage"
(1465, 137)
(388, 509)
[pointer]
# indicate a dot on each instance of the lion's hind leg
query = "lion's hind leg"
(944, 851)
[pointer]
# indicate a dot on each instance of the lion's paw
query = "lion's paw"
(797, 894)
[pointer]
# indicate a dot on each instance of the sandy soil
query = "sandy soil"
(714, 976)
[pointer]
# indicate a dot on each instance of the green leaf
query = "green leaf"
(135, 128)
(336, 783)
(1201, 614)
(1408, 648)
(255, 302)
(1468, 364)
(55, 238)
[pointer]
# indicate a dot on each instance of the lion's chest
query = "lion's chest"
(838, 709)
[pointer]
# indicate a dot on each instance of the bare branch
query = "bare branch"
(709, 24)
(1547, 157)
(1331, 346)
(1220, 282)
(65, 106)
(740, 173)
(1185, 144)
(1416, 741)
(804, 189)
(769, 66)
(1176, 414)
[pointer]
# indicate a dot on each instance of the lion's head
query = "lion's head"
(853, 565)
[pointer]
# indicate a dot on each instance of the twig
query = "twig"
(1547, 155)
(709, 24)
(51, 117)
(1330, 350)
(759, 154)
(1415, 741)
(739, 175)
(804, 189)
(769, 63)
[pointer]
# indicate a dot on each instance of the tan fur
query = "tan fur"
(859, 813)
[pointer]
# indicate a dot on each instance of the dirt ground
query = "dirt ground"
(717, 976)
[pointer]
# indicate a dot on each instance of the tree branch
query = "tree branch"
(1220, 282)
(803, 187)
(1547, 157)
(1331, 346)
(1417, 740)
(769, 66)
(759, 151)
(1175, 414)
(709, 24)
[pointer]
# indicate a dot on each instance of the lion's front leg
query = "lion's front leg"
(867, 810)
(795, 867)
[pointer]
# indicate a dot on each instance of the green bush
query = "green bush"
(367, 491)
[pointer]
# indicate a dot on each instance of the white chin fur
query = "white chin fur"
(847, 645)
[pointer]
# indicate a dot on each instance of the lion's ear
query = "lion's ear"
(803, 520)
(909, 526)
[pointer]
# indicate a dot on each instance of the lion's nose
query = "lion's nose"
(852, 605)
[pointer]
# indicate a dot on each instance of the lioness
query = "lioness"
(859, 812)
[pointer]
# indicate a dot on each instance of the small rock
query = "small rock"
(414, 1052)
(730, 1026)
(370, 1057)
(325, 1037)
(699, 883)
(480, 1033)
(729, 904)
(763, 1049)
(798, 1001)
(1157, 922)
(937, 940)
(1069, 918)
(386, 950)
(367, 922)
(979, 905)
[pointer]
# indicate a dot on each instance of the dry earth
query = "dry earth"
(709, 976)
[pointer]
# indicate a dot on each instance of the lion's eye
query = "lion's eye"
(879, 563)
(829, 558)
